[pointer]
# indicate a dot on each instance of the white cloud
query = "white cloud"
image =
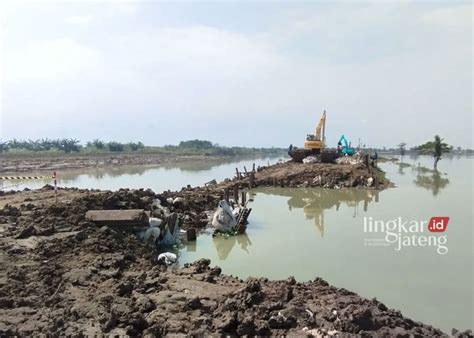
(50, 61)
(198, 47)
(79, 19)
(459, 16)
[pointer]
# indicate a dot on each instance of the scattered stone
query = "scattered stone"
(26, 232)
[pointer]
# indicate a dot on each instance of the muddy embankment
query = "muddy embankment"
(62, 274)
(332, 176)
(33, 163)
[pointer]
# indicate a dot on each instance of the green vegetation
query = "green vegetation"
(402, 146)
(435, 148)
(200, 147)
(63, 145)
(429, 148)
(196, 144)
(190, 147)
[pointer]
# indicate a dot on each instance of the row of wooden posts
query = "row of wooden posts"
(235, 195)
(250, 174)
(252, 183)
(370, 165)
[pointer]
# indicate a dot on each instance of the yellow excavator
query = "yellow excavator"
(314, 143)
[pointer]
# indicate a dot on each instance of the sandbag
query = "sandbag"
(223, 219)
(167, 258)
(170, 235)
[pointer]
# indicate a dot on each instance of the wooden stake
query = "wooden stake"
(226, 195)
(236, 193)
(252, 179)
(243, 198)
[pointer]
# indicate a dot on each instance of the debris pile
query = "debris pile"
(351, 160)
(312, 159)
(351, 173)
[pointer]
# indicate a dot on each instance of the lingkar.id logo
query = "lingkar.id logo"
(409, 233)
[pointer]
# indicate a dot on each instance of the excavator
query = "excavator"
(346, 149)
(314, 143)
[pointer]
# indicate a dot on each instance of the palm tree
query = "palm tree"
(402, 147)
(437, 151)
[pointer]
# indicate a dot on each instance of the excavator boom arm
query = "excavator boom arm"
(343, 139)
(321, 126)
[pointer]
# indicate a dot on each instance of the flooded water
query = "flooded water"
(312, 233)
(318, 232)
(158, 178)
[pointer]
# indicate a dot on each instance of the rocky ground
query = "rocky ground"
(62, 275)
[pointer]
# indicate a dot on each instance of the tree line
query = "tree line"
(66, 145)
(189, 147)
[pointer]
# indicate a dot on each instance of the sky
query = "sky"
(237, 73)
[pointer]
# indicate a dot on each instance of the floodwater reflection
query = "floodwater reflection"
(286, 229)
(402, 166)
(69, 176)
(224, 244)
(433, 182)
(314, 201)
(172, 176)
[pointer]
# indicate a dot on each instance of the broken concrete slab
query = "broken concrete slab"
(130, 217)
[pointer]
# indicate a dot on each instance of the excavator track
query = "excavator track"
(299, 154)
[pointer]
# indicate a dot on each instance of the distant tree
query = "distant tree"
(196, 144)
(70, 145)
(56, 144)
(435, 148)
(402, 147)
(3, 147)
(438, 150)
(428, 148)
(14, 144)
(98, 144)
(115, 146)
(135, 146)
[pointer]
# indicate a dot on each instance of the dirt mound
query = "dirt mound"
(102, 281)
(327, 175)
